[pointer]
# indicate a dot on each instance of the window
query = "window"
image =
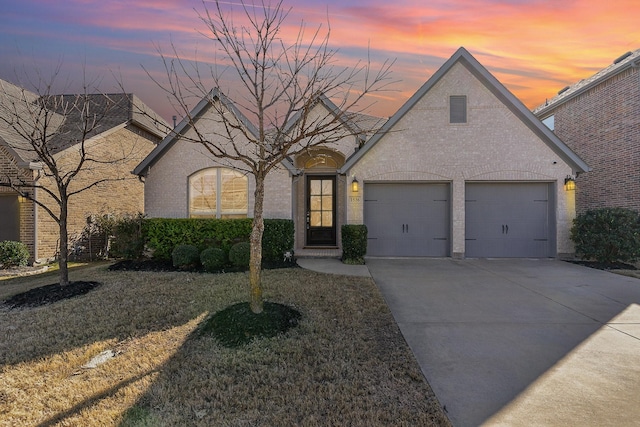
(550, 122)
(458, 109)
(218, 193)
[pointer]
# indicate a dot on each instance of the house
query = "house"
(463, 169)
(129, 130)
(599, 119)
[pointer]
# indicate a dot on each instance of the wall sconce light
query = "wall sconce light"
(354, 185)
(569, 183)
(23, 198)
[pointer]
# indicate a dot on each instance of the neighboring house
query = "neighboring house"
(131, 128)
(599, 119)
(462, 169)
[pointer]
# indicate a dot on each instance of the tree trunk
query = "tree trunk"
(64, 244)
(255, 263)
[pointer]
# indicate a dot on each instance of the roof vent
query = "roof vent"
(563, 90)
(622, 58)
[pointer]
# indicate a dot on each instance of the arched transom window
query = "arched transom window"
(218, 193)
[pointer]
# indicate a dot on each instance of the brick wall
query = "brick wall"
(494, 145)
(602, 126)
(121, 193)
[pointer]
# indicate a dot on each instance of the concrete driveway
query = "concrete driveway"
(520, 342)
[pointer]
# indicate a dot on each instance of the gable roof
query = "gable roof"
(357, 124)
(185, 124)
(619, 65)
(463, 57)
(113, 110)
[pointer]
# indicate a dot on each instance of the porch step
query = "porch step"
(318, 253)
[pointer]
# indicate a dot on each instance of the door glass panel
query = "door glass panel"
(327, 219)
(327, 187)
(315, 219)
(316, 187)
(316, 203)
(327, 203)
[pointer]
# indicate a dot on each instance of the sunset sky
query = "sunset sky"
(534, 47)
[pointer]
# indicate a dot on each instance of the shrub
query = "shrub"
(354, 243)
(164, 234)
(128, 238)
(277, 239)
(185, 256)
(607, 235)
(213, 259)
(240, 254)
(13, 254)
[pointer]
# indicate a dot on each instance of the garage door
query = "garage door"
(407, 219)
(509, 220)
(10, 214)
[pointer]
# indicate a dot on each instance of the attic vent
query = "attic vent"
(563, 90)
(622, 58)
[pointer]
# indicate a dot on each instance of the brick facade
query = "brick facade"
(602, 125)
(494, 145)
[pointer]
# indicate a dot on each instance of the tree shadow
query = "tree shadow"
(125, 305)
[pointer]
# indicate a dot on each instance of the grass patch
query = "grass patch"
(238, 325)
(346, 362)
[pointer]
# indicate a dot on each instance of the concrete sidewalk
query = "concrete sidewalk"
(520, 342)
(333, 266)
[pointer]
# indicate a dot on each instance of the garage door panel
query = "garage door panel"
(407, 219)
(508, 220)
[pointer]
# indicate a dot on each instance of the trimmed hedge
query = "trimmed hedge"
(163, 234)
(185, 256)
(240, 254)
(13, 254)
(607, 235)
(354, 243)
(213, 259)
(277, 239)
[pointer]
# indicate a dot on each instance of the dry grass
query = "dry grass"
(345, 364)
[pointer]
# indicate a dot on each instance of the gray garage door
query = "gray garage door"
(509, 220)
(407, 219)
(9, 218)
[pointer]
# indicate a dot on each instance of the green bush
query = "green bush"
(13, 254)
(354, 243)
(607, 235)
(185, 256)
(277, 239)
(128, 238)
(213, 259)
(240, 254)
(164, 234)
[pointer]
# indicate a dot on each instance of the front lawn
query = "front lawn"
(346, 362)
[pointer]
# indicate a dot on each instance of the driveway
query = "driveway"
(520, 342)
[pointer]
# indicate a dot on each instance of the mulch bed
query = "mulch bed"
(604, 265)
(49, 294)
(167, 266)
(52, 293)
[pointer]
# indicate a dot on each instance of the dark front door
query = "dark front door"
(321, 210)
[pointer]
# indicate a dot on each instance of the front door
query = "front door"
(321, 212)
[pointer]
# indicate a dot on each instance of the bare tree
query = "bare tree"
(277, 83)
(58, 139)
